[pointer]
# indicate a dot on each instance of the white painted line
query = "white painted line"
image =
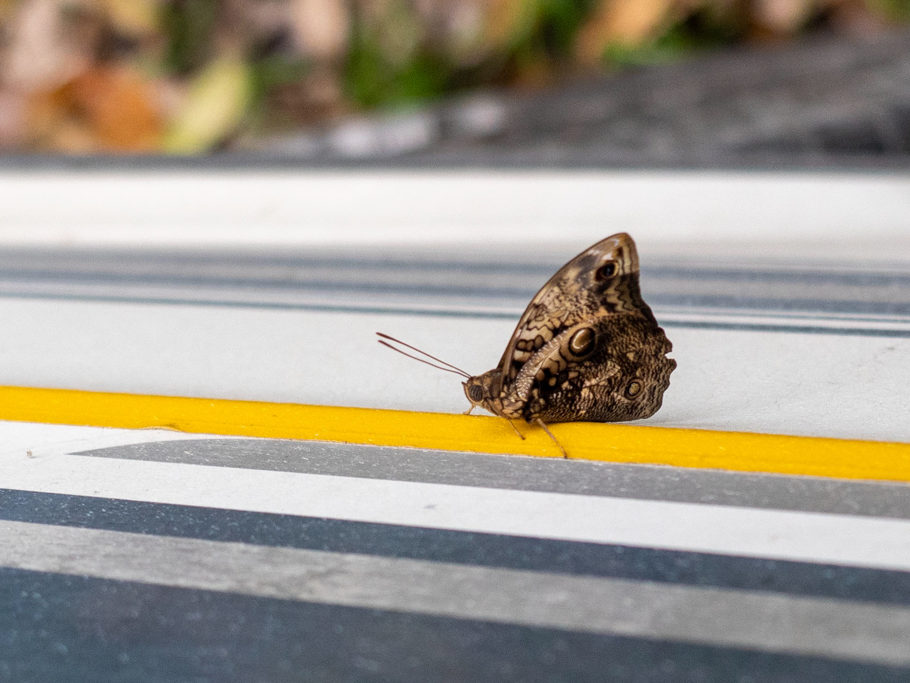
(39, 440)
(147, 208)
(764, 621)
(747, 532)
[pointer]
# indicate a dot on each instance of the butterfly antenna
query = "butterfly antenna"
(443, 365)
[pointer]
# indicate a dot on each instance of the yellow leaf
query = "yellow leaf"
(135, 17)
(213, 109)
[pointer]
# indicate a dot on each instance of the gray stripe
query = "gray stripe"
(467, 280)
(645, 482)
(426, 267)
(477, 302)
(804, 626)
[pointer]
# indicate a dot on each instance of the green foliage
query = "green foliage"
(188, 26)
(547, 28)
(273, 71)
(373, 77)
(545, 31)
(698, 31)
(896, 10)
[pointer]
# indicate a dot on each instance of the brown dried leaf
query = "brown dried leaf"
(103, 109)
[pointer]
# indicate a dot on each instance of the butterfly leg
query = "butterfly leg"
(468, 411)
(512, 425)
(539, 422)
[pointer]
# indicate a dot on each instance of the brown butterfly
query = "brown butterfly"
(587, 348)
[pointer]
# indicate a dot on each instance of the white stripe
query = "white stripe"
(38, 439)
(783, 623)
(748, 532)
(351, 207)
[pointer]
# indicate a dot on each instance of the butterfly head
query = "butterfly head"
(483, 390)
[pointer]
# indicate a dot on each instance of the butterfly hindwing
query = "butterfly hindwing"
(611, 369)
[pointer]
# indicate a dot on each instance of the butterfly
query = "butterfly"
(587, 348)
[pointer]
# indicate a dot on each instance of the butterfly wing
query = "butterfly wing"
(587, 347)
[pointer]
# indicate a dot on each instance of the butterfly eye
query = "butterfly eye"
(582, 342)
(606, 271)
(633, 389)
(475, 393)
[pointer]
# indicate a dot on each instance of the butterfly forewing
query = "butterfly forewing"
(587, 347)
(573, 294)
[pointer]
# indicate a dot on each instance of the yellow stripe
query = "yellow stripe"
(584, 440)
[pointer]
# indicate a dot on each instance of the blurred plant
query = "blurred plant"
(389, 60)
(545, 30)
(186, 76)
(188, 27)
(895, 10)
(665, 33)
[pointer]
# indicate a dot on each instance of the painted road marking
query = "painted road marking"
(841, 458)
(747, 532)
(799, 625)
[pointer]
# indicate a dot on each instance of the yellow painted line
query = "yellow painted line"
(740, 451)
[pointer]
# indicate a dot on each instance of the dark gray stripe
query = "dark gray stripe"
(86, 629)
(333, 265)
(606, 606)
(425, 294)
(808, 494)
(474, 548)
(436, 280)
(431, 278)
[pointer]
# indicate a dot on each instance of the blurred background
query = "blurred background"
(539, 81)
